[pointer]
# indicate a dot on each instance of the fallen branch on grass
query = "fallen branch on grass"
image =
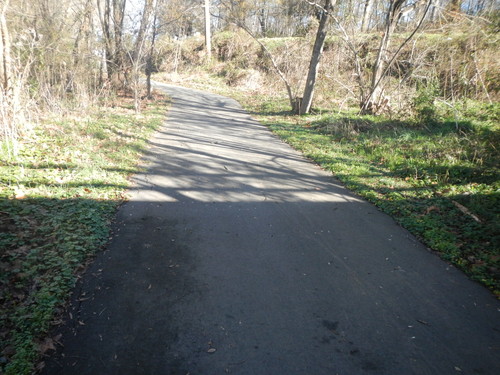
(466, 211)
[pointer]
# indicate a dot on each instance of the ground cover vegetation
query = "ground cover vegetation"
(57, 201)
(440, 182)
(74, 121)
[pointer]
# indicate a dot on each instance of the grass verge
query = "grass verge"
(438, 175)
(439, 180)
(57, 200)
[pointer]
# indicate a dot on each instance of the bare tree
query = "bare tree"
(150, 66)
(5, 60)
(145, 22)
(298, 105)
(367, 12)
(137, 56)
(435, 10)
(112, 16)
(7, 120)
(375, 101)
(319, 43)
(208, 35)
(235, 16)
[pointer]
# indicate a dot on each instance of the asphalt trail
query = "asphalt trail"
(236, 255)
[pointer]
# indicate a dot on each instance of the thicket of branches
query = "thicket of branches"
(60, 55)
(383, 57)
(57, 55)
(384, 54)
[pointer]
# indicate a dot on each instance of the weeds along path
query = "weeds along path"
(237, 255)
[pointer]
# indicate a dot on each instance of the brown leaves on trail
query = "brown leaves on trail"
(40, 366)
(49, 344)
(46, 345)
(211, 349)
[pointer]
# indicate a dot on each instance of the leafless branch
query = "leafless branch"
(271, 57)
(396, 54)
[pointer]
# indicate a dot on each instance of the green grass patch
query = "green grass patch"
(58, 197)
(439, 180)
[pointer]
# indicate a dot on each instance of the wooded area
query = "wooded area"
(62, 55)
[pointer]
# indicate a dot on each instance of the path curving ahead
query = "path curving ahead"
(236, 255)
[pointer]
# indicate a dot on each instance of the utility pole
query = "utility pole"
(208, 36)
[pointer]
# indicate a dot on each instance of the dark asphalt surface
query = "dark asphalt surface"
(236, 255)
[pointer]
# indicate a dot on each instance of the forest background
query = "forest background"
(399, 99)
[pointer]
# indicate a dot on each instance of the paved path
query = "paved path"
(238, 256)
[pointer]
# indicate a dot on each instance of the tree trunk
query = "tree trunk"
(112, 17)
(262, 22)
(5, 60)
(367, 12)
(373, 102)
(435, 10)
(149, 61)
(139, 41)
(7, 98)
(208, 35)
(317, 52)
(119, 55)
(137, 56)
(83, 31)
(105, 17)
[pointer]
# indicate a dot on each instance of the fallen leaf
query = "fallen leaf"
(40, 366)
(57, 339)
(19, 194)
(46, 345)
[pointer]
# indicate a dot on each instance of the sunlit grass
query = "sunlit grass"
(440, 180)
(57, 199)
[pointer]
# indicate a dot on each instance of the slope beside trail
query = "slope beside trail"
(235, 255)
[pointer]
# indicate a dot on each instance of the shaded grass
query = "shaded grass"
(57, 200)
(439, 180)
